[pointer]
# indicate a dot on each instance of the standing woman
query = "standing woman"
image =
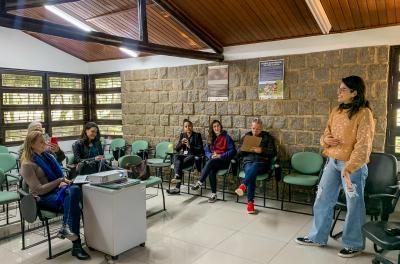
(347, 142)
(46, 181)
(219, 150)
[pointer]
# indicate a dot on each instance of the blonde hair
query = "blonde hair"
(27, 151)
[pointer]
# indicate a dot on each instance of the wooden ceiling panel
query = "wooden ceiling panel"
(235, 22)
(86, 51)
(348, 15)
(229, 22)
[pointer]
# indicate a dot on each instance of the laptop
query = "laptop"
(81, 179)
(249, 142)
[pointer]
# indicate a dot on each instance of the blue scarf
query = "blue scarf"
(52, 170)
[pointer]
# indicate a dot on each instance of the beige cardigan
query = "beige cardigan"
(37, 179)
(356, 135)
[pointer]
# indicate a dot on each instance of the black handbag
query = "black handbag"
(140, 171)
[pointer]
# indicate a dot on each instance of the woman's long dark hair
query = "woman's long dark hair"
(211, 134)
(84, 137)
(355, 83)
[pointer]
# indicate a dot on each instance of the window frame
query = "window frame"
(46, 106)
(393, 102)
(93, 106)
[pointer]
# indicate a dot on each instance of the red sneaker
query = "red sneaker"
(250, 208)
(240, 190)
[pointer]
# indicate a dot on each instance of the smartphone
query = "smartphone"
(54, 140)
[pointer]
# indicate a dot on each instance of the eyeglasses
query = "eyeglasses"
(343, 90)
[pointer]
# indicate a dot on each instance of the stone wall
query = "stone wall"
(155, 101)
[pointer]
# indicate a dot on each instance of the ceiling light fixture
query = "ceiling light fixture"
(68, 18)
(319, 14)
(129, 52)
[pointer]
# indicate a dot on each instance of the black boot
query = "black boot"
(65, 232)
(78, 251)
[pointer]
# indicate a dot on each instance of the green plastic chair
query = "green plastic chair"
(117, 144)
(161, 155)
(30, 211)
(131, 159)
(3, 149)
(264, 178)
(7, 197)
(7, 163)
(139, 145)
(307, 168)
(150, 182)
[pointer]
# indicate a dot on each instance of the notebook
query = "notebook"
(250, 142)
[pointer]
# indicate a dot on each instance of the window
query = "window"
(66, 83)
(107, 103)
(21, 81)
(57, 100)
(22, 99)
(393, 129)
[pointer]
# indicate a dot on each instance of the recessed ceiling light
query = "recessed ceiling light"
(68, 18)
(129, 52)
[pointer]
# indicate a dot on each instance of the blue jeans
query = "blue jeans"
(210, 169)
(251, 170)
(327, 195)
(70, 207)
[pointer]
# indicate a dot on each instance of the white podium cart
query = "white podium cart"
(115, 220)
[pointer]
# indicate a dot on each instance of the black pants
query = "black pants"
(181, 162)
(210, 169)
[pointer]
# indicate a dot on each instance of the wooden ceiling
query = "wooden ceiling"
(229, 22)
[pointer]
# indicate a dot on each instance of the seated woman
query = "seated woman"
(54, 149)
(89, 146)
(189, 145)
(45, 179)
(219, 149)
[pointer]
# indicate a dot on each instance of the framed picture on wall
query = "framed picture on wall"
(270, 80)
(218, 83)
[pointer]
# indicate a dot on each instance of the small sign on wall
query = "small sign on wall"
(218, 83)
(270, 82)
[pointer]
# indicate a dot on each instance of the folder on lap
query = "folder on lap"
(250, 142)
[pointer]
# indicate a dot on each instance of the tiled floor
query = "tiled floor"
(194, 231)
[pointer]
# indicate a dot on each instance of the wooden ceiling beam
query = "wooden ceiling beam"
(38, 26)
(188, 23)
(18, 4)
(142, 19)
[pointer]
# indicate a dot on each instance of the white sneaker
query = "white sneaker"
(213, 198)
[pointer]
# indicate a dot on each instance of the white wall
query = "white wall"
(21, 51)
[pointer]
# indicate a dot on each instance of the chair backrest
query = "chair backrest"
(7, 162)
(138, 145)
(382, 172)
(117, 143)
(162, 149)
(3, 149)
(2, 177)
(131, 159)
(307, 162)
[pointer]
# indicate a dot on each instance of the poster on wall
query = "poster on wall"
(218, 83)
(270, 83)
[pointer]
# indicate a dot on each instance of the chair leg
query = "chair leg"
(7, 221)
(265, 190)
(163, 197)
(283, 195)
(223, 188)
(335, 236)
(48, 238)
(237, 196)
(22, 226)
(290, 193)
(277, 190)
(189, 178)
